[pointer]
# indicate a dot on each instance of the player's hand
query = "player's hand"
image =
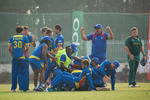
(82, 29)
(131, 57)
(54, 59)
(70, 70)
(144, 57)
(105, 79)
(108, 28)
(45, 65)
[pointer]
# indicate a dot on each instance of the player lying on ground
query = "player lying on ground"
(100, 73)
(71, 81)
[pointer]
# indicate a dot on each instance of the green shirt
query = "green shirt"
(134, 45)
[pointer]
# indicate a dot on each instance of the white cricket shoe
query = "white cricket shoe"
(131, 86)
(136, 86)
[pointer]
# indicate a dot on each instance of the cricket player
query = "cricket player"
(99, 41)
(105, 70)
(18, 45)
(59, 40)
(77, 64)
(51, 49)
(74, 82)
(44, 30)
(65, 59)
(40, 53)
(30, 37)
(32, 42)
(133, 47)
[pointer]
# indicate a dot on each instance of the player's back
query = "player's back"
(38, 51)
(85, 72)
(18, 42)
(52, 44)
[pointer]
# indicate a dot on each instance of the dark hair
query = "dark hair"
(58, 27)
(44, 29)
(85, 62)
(49, 31)
(19, 29)
(25, 27)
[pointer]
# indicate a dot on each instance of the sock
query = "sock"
(35, 87)
(43, 85)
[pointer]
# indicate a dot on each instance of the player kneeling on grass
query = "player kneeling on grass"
(97, 79)
(64, 59)
(102, 72)
(39, 54)
(72, 81)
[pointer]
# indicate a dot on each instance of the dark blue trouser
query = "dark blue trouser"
(49, 69)
(19, 72)
(63, 79)
(98, 83)
(27, 75)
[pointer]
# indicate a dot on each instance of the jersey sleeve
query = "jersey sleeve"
(113, 79)
(89, 78)
(141, 42)
(60, 40)
(10, 41)
(30, 38)
(53, 44)
(127, 42)
(62, 58)
(106, 35)
(89, 36)
(26, 41)
(102, 67)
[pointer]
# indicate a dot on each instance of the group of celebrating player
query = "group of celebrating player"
(54, 66)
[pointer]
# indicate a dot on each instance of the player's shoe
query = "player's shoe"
(136, 86)
(73, 89)
(13, 90)
(130, 86)
(46, 90)
(35, 89)
(41, 88)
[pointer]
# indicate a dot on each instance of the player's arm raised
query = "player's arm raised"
(84, 37)
(111, 34)
(65, 68)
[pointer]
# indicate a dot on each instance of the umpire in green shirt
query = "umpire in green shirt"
(133, 46)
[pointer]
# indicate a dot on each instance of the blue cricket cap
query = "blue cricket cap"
(116, 63)
(98, 26)
(74, 47)
(96, 60)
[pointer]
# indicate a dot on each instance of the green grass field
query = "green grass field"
(122, 92)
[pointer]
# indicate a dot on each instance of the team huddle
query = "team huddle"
(55, 67)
